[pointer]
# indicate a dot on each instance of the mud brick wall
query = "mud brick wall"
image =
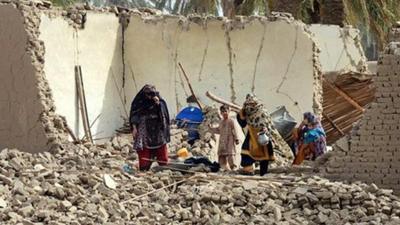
(373, 155)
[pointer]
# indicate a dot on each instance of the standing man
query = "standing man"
(149, 120)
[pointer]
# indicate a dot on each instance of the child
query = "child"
(227, 140)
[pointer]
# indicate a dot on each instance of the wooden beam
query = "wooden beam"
(233, 106)
(82, 102)
(344, 95)
(333, 123)
(190, 86)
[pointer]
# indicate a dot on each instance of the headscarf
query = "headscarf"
(309, 116)
(313, 119)
(256, 115)
(141, 103)
(315, 134)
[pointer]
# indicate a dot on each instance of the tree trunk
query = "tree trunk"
(228, 8)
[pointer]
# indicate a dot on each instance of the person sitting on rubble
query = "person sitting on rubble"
(227, 140)
(310, 139)
(252, 150)
(150, 124)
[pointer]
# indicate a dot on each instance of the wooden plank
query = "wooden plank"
(332, 123)
(233, 106)
(344, 95)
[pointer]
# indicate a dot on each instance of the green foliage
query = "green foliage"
(253, 7)
(305, 8)
(376, 16)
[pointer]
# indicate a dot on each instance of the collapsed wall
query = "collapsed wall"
(373, 152)
(28, 120)
(97, 49)
(340, 47)
(274, 57)
(228, 57)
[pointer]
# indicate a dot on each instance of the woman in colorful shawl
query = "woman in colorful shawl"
(310, 139)
(149, 120)
(253, 151)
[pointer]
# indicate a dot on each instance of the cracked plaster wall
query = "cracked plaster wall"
(229, 58)
(97, 48)
(340, 48)
(20, 125)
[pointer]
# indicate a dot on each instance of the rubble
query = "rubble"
(49, 188)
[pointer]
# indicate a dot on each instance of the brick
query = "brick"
(390, 181)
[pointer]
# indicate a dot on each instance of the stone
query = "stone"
(3, 204)
(109, 182)
(66, 204)
(249, 185)
(26, 211)
(277, 214)
(387, 210)
(300, 190)
(39, 167)
(16, 163)
(102, 212)
(373, 188)
(321, 218)
(5, 179)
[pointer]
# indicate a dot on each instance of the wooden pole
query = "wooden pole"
(157, 190)
(85, 106)
(71, 133)
(344, 95)
(82, 103)
(190, 86)
(233, 106)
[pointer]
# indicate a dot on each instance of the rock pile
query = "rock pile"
(179, 139)
(85, 185)
(76, 15)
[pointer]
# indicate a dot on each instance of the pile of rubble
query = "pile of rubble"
(87, 185)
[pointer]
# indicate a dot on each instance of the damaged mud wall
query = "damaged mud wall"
(272, 57)
(20, 115)
(27, 113)
(97, 49)
(340, 48)
(374, 148)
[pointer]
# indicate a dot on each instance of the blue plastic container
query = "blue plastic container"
(189, 119)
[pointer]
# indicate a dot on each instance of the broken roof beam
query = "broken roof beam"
(344, 95)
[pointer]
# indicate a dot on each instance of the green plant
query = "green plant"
(376, 16)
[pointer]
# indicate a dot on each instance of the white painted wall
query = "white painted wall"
(97, 48)
(280, 54)
(339, 47)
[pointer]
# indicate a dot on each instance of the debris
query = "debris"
(300, 190)
(109, 182)
(3, 204)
